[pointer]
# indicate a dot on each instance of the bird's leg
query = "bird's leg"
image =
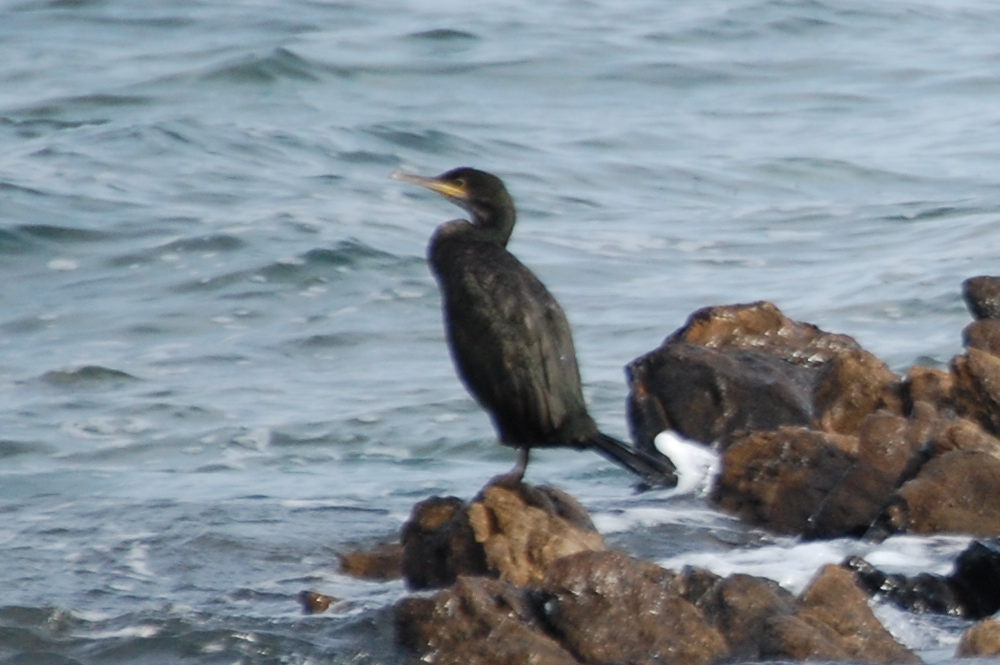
(522, 463)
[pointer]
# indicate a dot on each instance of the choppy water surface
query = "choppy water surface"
(221, 357)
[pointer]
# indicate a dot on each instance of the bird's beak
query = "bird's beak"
(443, 187)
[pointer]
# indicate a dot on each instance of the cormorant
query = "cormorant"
(509, 338)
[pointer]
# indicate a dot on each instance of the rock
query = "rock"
(609, 608)
(982, 296)
(749, 367)
(953, 493)
(977, 388)
(932, 386)
(980, 640)
(972, 590)
(831, 620)
(439, 545)
(707, 394)
(511, 532)
(851, 386)
(523, 530)
(478, 621)
(741, 607)
(923, 593)
(315, 603)
(382, 562)
(833, 600)
(983, 335)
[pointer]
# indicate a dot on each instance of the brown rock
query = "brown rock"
(977, 387)
(983, 335)
(315, 603)
(477, 621)
(953, 493)
(852, 386)
(833, 600)
(982, 639)
(749, 367)
(933, 386)
(741, 606)
(382, 562)
(610, 608)
(784, 479)
(982, 296)
(509, 531)
(439, 545)
(523, 530)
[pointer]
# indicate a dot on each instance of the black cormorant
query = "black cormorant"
(509, 338)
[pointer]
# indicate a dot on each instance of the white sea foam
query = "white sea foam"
(696, 463)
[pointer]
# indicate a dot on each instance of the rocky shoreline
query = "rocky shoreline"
(818, 439)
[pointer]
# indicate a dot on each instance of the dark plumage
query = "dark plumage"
(509, 337)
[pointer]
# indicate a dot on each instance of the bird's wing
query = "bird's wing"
(512, 345)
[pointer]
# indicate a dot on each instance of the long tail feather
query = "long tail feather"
(656, 470)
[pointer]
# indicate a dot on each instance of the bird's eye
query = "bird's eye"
(459, 182)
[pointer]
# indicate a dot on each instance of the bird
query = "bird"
(510, 340)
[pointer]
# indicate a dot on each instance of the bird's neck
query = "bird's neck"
(494, 224)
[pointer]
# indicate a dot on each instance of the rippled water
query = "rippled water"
(221, 357)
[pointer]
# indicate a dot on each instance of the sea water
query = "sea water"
(221, 355)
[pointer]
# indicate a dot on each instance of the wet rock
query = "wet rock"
(609, 608)
(982, 296)
(977, 387)
(980, 640)
(315, 603)
(923, 593)
(509, 531)
(381, 562)
(478, 621)
(972, 590)
(749, 367)
(953, 493)
(439, 545)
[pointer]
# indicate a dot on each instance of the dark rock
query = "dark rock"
(478, 621)
(983, 335)
(980, 640)
(976, 578)
(955, 492)
(382, 562)
(972, 590)
(706, 394)
(982, 296)
(924, 593)
(509, 531)
(609, 608)
(439, 545)
(749, 367)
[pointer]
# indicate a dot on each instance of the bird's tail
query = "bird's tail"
(656, 470)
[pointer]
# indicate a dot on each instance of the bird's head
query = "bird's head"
(482, 194)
